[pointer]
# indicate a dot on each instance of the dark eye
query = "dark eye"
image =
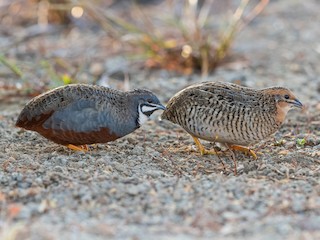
(286, 96)
(149, 100)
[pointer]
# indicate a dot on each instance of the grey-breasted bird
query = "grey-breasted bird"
(78, 114)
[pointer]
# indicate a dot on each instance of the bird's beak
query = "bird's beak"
(160, 106)
(297, 103)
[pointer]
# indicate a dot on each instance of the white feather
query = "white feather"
(148, 108)
(142, 117)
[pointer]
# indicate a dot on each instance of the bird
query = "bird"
(229, 114)
(76, 115)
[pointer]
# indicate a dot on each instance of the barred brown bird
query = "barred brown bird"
(80, 114)
(230, 114)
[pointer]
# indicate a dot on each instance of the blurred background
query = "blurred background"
(163, 45)
(47, 43)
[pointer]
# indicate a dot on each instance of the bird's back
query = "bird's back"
(40, 108)
(223, 112)
(77, 114)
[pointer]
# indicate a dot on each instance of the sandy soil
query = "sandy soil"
(153, 184)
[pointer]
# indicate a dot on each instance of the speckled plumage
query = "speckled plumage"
(229, 113)
(81, 114)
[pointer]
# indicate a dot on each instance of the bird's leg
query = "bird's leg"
(245, 150)
(201, 148)
(83, 148)
(234, 161)
(199, 145)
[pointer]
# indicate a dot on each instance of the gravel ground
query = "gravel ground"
(152, 184)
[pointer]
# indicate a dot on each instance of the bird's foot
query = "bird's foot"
(210, 152)
(202, 150)
(83, 148)
(245, 150)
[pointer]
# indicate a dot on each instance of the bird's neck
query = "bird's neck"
(282, 110)
(142, 118)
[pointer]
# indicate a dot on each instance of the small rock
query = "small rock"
(230, 215)
(290, 145)
(154, 173)
(58, 169)
(133, 190)
(152, 152)
(249, 215)
(137, 150)
(284, 152)
(119, 167)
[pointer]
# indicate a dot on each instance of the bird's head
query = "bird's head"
(285, 100)
(146, 103)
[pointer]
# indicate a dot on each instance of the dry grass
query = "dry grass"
(188, 41)
(185, 37)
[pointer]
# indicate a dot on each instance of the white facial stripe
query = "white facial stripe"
(146, 108)
(142, 117)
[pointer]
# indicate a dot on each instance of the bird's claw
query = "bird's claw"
(83, 148)
(245, 150)
(202, 150)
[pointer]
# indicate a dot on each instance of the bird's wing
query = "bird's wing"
(217, 102)
(63, 102)
(227, 93)
(40, 108)
(83, 116)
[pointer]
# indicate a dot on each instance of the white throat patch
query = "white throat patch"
(142, 117)
(147, 108)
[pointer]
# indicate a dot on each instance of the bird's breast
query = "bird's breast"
(227, 124)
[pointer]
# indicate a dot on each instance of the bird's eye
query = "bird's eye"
(286, 96)
(149, 100)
